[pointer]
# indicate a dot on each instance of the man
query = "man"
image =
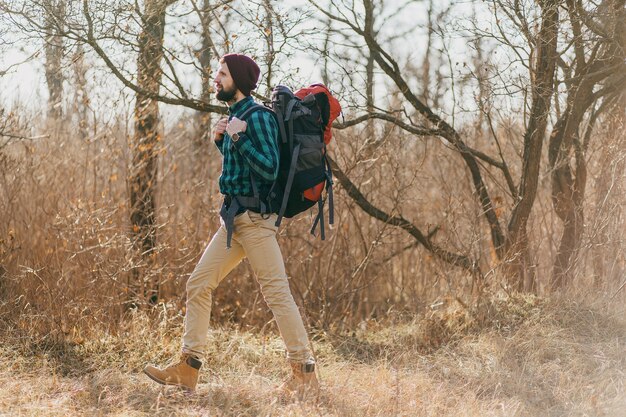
(250, 166)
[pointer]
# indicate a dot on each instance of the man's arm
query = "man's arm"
(259, 145)
(218, 133)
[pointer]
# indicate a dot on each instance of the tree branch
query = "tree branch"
(353, 191)
(391, 68)
(185, 102)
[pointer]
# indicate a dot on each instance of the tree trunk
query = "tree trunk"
(146, 140)
(369, 94)
(521, 276)
(55, 16)
(326, 53)
(81, 97)
(205, 54)
(568, 181)
(611, 187)
(371, 140)
(270, 53)
(425, 81)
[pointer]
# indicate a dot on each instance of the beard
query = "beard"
(226, 95)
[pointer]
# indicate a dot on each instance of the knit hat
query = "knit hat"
(244, 70)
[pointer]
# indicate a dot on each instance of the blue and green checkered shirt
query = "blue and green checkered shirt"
(256, 151)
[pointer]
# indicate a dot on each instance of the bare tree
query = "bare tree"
(542, 89)
(145, 146)
(439, 128)
(416, 110)
(81, 95)
(54, 20)
(607, 220)
(597, 73)
(270, 52)
(205, 54)
(512, 246)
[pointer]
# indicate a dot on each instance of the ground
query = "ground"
(512, 356)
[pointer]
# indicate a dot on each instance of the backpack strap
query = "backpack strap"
(246, 114)
(281, 125)
(257, 202)
(289, 119)
(257, 196)
(290, 176)
(290, 107)
(228, 213)
(329, 190)
(319, 219)
(252, 109)
(231, 207)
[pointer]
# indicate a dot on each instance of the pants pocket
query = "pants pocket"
(263, 221)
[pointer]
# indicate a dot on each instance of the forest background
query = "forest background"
(479, 168)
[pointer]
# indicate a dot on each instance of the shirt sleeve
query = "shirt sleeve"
(259, 145)
(220, 145)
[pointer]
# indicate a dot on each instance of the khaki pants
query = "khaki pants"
(255, 238)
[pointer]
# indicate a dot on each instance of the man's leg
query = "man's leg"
(216, 262)
(257, 236)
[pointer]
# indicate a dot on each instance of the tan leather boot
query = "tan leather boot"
(183, 374)
(303, 384)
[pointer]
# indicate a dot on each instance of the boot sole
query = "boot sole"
(163, 382)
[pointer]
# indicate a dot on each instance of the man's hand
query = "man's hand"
(236, 126)
(219, 129)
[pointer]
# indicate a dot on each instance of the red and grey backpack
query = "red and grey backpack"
(304, 121)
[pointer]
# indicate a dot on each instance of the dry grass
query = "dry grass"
(520, 356)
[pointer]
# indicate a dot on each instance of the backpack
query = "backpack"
(304, 123)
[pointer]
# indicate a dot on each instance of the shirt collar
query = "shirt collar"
(240, 105)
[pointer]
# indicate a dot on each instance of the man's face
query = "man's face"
(225, 89)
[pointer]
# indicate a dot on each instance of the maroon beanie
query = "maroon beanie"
(244, 70)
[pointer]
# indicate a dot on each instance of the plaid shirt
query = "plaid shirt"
(256, 151)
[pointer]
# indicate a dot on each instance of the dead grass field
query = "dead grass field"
(519, 356)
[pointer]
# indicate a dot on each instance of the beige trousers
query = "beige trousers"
(255, 238)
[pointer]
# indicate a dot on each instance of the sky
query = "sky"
(24, 84)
